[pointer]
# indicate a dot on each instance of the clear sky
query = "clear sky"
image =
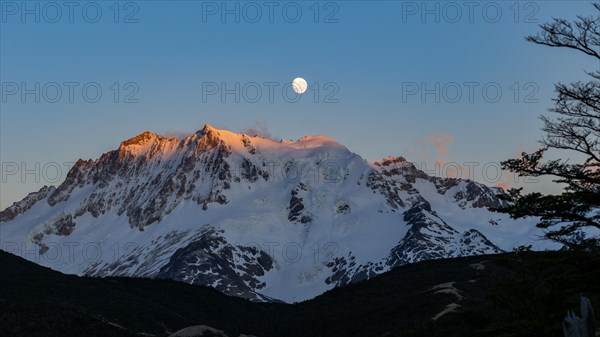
(377, 67)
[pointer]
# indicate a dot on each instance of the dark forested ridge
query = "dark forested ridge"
(516, 294)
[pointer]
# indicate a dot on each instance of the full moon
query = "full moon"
(299, 85)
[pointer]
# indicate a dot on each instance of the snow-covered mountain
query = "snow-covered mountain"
(253, 217)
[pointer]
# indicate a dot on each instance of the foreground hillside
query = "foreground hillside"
(524, 294)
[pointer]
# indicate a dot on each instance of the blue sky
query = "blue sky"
(366, 55)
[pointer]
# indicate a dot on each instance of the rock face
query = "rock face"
(209, 258)
(252, 217)
(24, 205)
(580, 326)
(199, 331)
(202, 331)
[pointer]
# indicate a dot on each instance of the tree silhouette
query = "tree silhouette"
(576, 130)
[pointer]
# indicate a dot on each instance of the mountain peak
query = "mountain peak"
(143, 138)
(313, 142)
(144, 143)
(214, 136)
(207, 129)
(389, 161)
(218, 134)
(194, 207)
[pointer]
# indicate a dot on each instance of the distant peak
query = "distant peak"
(388, 161)
(213, 136)
(140, 139)
(144, 143)
(317, 139)
(308, 142)
(208, 128)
